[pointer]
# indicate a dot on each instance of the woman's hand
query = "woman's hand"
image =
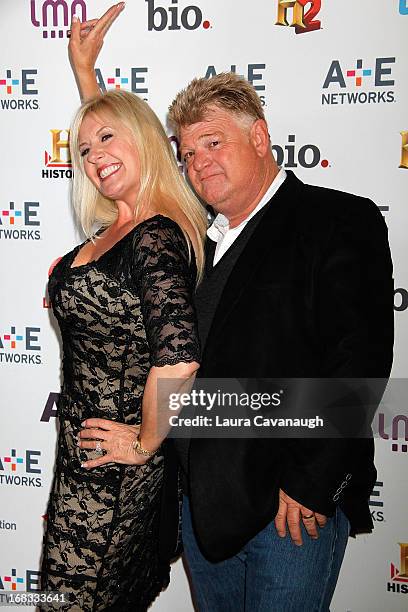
(116, 439)
(84, 46)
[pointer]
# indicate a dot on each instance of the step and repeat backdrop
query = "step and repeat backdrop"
(332, 77)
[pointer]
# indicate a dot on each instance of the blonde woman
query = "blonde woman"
(123, 301)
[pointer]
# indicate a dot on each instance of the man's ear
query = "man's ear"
(259, 136)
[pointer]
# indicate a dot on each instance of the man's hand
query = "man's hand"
(291, 512)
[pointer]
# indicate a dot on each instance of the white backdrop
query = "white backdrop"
(334, 127)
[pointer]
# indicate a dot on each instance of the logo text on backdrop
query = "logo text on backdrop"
(357, 79)
(301, 21)
(53, 17)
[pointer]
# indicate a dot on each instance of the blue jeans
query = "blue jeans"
(270, 574)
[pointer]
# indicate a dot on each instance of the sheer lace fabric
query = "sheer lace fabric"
(120, 315)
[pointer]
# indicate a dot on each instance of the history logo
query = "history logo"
(174, 17)
(18, 89)
(364, 82)
(53, 17)
(302, 21)
(398, 582)
(20, 221)
(58, 164)
(20, 345)
(404, 150)
(21, 468)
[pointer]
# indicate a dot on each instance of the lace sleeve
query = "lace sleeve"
(166, 280)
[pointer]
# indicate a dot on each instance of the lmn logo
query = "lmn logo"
(302, 21)
(54, 16)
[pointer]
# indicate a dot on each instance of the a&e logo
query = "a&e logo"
(20, 468)
(133, 80)
(18, 89)
(18, 581)
(20, 221)
(58, 164)
(53, 17)
(254, 73)
(20, 345)
(357, 78)
(376, 504)
(301, 21)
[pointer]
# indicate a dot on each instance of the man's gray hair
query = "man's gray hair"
(225, 90)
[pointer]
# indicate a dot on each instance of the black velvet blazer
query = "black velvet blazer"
(310, 296)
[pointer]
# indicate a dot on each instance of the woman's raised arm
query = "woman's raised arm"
(84, 46)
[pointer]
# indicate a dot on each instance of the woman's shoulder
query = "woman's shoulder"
(159, 232)
(158, 223)
(159, 243)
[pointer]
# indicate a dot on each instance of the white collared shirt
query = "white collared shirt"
(220, 232)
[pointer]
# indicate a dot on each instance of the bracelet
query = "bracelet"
(138, 448)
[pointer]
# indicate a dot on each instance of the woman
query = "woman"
(123, 303)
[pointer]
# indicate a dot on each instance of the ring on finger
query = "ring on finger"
(308, 517)
(98, 447)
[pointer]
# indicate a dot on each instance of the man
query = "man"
(298, 283)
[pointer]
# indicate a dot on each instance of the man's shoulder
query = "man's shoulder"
(334, 202)
(322, 207)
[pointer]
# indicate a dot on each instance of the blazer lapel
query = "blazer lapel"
(265, 236)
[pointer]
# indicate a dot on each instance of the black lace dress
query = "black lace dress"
(118, 316)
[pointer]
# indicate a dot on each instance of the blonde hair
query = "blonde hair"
(162, 186)
(225, 90)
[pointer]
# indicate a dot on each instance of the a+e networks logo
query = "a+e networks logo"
(20, 346)
(301, 21)
(53, 17)
(20, 221)
(133, 79)
(18, 89)
(14, 581)
(20, 468)
(357, 78)
(376, 504)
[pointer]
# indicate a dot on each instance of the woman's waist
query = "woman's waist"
(76, 405)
